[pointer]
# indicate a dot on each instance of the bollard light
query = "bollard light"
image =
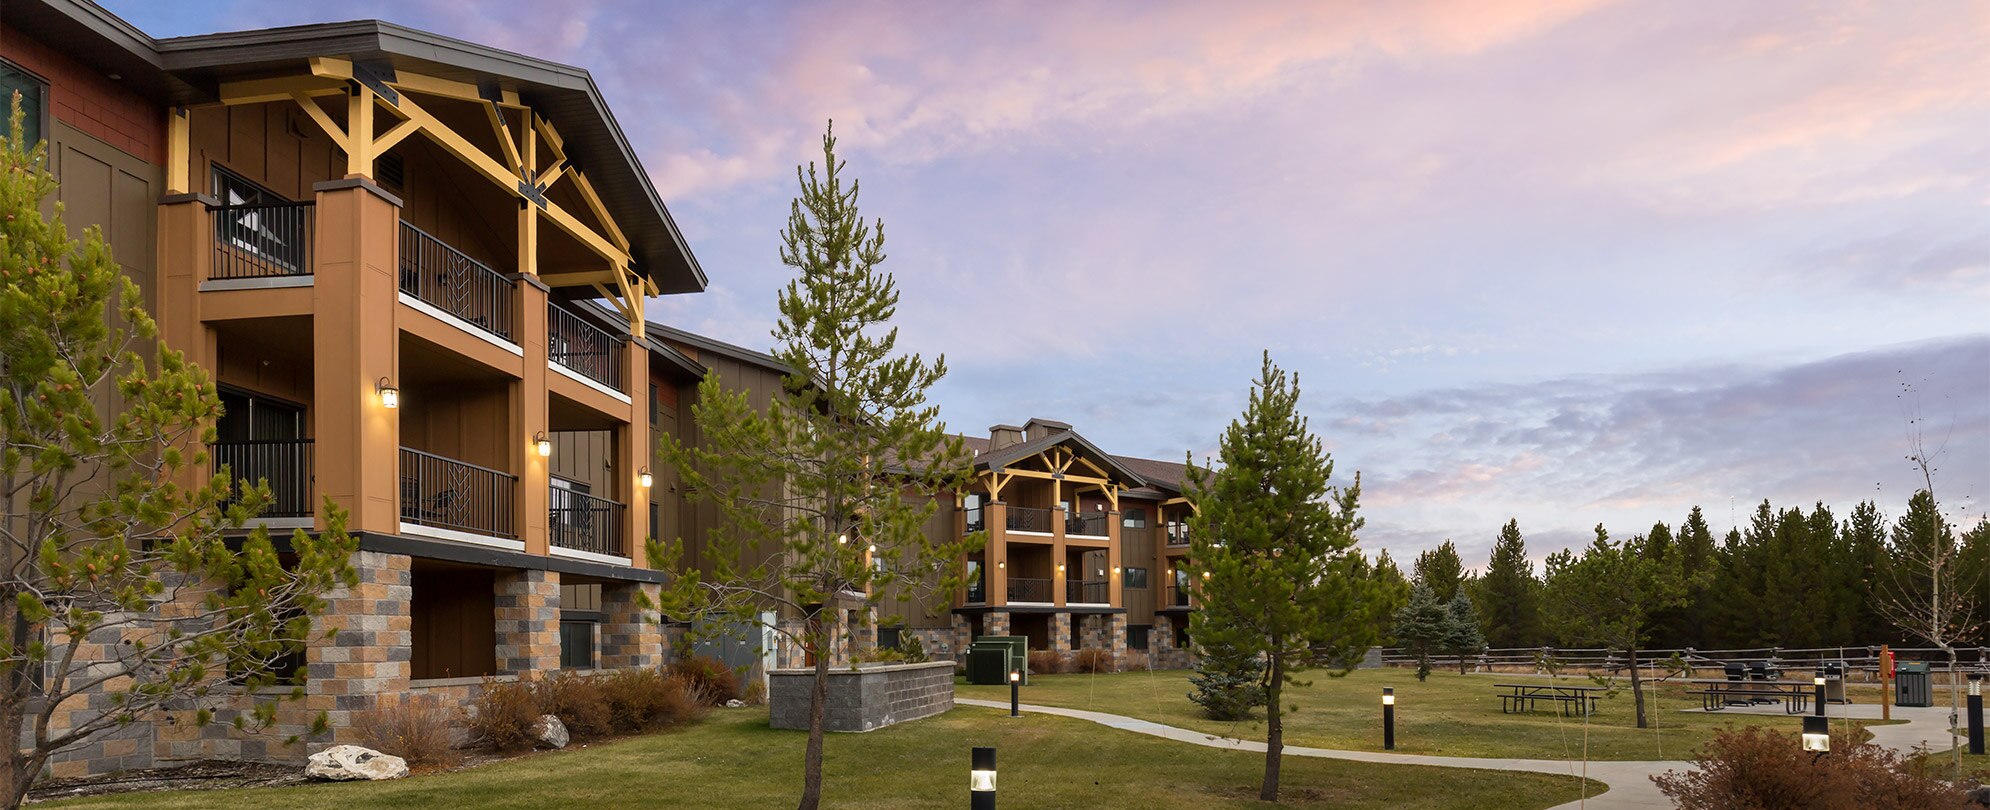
(1975, 712)
(981, 780)
(1388, 718)
(1015, 693)
(1817, 682)
(1817, 734)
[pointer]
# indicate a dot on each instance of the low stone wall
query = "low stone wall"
(869, 697)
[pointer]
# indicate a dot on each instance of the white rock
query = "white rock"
(550, 732)
(735, 704)
(346, 763)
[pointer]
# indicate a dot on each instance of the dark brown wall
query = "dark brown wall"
(454, 634)
(698, 518)
(461, 419)
(586, 456)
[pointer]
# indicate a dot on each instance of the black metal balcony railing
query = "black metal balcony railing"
(583, 522)
(1028, 519)
(1090, 592)
(265, 240)
(448, 494)
(1177, 596)
(1177, 535)
(1088, 524)
(584, 347)
(284, 463)
(976, 521)
(1023, 589)
(449, 280)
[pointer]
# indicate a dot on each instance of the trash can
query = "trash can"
(1834, 682)
(1911, 686)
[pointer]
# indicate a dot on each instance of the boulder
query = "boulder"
(550, 732)
(346, 763)
(735, 704)
(1980, 796)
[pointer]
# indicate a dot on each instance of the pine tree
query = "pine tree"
(824, 475)
(106, 534)
(1420, 627)
(1509, 595)
(1698, 559)
(1442, 570)
(1610, 595)
(1228, 682)
(1868, 568)
(1276, 543)
(1461, 630)
(1392, 591)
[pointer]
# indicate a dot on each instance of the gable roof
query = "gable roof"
(189, 70)
(997, 459)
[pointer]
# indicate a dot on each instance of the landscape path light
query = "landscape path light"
(1975, 712)
(1015, 693)
(1388, 718)
(1817, 683)
(1816, 734)
(981, 780)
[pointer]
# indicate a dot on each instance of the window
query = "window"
(34, 102)
(1181, 636)
(656, 520)
(1136, 578)
(1134, 518)
(1136, 636)
(977, 583)
(653, 405)
(888, 637)
(576, 644)
(259, 223)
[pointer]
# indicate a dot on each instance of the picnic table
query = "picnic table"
(1719, 693)
(1522, 697)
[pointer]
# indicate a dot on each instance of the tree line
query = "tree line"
(1787, 578)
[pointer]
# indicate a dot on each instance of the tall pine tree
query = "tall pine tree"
(1275, 540)
(1442, 570)
(1610, 595)
(1509, 595)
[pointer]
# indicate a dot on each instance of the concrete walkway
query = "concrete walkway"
(1630, 781)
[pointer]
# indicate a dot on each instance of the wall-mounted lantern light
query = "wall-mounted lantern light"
(390, 397)
(1002, 564)
(842, 539)
(981, 780)
(1060, 568)
(645, 478)
(544, 444)
(1816, 734)
(1115, 570)
(871, 549)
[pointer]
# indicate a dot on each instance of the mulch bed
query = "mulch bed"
(204, 775)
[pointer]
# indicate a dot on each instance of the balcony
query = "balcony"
(1088, 592)
(261, 240)
(1177, 535)
(284, 464)
(976, 521)
(1023, 589)
(583, 522)
(583, 348)
(1088, 524)
(1176, 596)
(454, 496)
(446, 278)
(1028, 519)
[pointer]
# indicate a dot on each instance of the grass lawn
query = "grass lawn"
(733, 760)
(1450, 715)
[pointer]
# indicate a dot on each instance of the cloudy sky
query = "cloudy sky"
(1570, 261)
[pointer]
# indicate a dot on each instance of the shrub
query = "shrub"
(1046, 662)
(417, 729)
(1135, 661)
(580, 701)
(913, 648)
(1756, 767)
(710, 679)
(1092, 660)
(879, 655)
(646, 700)
(755, 693)
(503, 715)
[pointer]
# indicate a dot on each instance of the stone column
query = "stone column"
(1060, 632)
(996, 623)
(528, 622)
(371, 642)
(631, 638)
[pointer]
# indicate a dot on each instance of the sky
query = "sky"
(1567, 262)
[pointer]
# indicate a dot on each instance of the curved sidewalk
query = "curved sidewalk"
(1630, 781)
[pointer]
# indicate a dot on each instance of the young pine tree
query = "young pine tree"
(1276, 540)
(1228, 683)
(103, 527)
(1509, 595)
(1461, 630)
(1611, 595)
(1441, 570)
(1420, 625)
(822, 477)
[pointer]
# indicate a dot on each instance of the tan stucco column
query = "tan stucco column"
(1115, 557)
(185, 253)
(356, 344)
(995, 517)
(530, 418)
(1057, 574)
(634, 452)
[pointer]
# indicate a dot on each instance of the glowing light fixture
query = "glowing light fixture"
(981, 780)
(390, 397)
(544, 444)
(645, 478)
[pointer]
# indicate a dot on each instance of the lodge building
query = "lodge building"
(417, 267)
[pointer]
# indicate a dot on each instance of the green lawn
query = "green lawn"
(1450, 715)
(734, 760)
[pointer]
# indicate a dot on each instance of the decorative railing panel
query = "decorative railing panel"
(449, 280)
(448, 494)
